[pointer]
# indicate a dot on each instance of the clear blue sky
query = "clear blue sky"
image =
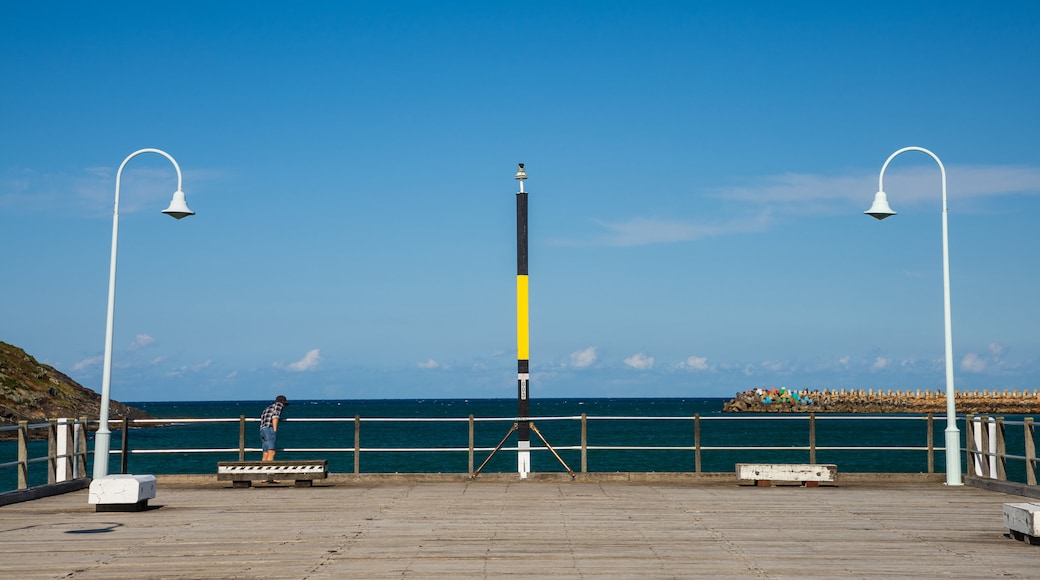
(698, 176)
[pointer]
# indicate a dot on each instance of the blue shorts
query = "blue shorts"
(268, 436)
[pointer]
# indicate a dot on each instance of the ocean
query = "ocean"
(621, 422)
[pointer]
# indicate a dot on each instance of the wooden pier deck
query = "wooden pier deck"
(496, 527)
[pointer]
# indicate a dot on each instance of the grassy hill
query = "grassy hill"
(34, 392)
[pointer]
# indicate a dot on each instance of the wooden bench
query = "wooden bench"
(1021, 519)
(244, 473)
(808, 474)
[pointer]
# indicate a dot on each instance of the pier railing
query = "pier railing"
(857, 443)
(989, 459)
(60, 443)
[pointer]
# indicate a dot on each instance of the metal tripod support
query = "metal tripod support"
(540, 436)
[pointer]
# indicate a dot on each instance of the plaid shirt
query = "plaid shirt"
(272, 412)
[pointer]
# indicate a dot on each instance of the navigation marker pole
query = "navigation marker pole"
(523, 367)
(523, 425)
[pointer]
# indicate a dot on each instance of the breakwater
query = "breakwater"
(869, 401)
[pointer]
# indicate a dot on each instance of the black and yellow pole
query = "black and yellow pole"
(523, 365)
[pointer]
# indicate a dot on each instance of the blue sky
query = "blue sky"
(698, 176)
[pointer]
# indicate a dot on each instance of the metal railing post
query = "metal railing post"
(52, 451)
(241, 437)
(357, 444)
(1030, 451)
(984, 431)
(697, 442)
(971, 449)
(584, 443)
(81, 448)
(812, 437)
(471, 444)
(124, 446)
(1001, 450)
(23, 454)
(931, 443)
(70, 449)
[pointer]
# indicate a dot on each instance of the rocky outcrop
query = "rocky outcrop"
(870, 402)
(35, 392)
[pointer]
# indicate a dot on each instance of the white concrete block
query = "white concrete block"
(787, 472)
(123, 489)
(1021, 518)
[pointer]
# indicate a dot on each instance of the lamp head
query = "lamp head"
(178, 207)
(880, 208)
(520, 174)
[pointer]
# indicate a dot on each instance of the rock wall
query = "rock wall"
(874, 402)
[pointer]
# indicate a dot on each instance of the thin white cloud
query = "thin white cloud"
(640, 362)
(973, 363)
(695, 363)
(776, 366)
(310, 361)
(881, 363)
(919, 182)
(767, 200)
(429, 364)
(583, 358)
(91, 191)
(141, 341)
(978, 363)
(996, 349)
(195, 368)
(87, 363)
(642, 231)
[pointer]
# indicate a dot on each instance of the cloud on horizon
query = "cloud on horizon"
(583, 358)
(429, 364)
(141, 341)
(695, 363)
(640, 362)
(309, 362)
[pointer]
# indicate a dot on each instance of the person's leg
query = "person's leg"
(267, 443)
(268, 439)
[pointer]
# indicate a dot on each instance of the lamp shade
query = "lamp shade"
(880, 209)
(178, 207)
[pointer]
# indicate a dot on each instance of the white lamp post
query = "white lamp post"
(881, 210)
(178, 209)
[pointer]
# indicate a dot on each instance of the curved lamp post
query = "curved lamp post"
(881, 210)
(178, 209)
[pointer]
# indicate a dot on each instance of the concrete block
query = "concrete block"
(124, 492)
(1021, 519)
(810, 474)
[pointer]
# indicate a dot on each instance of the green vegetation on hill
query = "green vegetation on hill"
(35, 392)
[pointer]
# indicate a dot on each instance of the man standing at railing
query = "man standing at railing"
(269, 427)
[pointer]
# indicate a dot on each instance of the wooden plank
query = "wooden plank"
(487, 528)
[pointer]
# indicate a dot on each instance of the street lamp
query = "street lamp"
(178, 209)
(881, 210)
